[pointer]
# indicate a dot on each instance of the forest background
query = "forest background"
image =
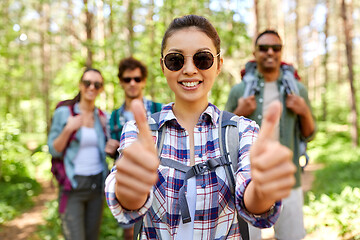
(46, 44)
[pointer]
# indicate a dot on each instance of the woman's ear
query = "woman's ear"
(220, 63)
(162, 65)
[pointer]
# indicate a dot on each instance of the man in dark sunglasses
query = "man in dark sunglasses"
(132, 78)
(264, 80)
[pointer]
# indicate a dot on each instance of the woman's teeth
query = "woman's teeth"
(189, 84)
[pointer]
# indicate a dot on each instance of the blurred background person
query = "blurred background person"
(132, 77)
(76, 142)
(267, 79)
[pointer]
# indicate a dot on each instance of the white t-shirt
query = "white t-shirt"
(87, 161)
(271, 93)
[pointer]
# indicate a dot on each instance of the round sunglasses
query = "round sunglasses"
(202, 60)
(88, 83)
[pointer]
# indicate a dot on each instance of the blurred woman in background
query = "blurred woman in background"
(76, 142)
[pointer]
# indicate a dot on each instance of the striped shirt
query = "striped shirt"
(215, 214)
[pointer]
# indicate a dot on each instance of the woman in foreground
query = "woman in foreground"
(140, 187)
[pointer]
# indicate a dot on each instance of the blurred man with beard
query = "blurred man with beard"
(267, 79)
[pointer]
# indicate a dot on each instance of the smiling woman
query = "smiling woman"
(189, 194)
(76, 142)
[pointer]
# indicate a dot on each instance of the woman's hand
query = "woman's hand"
(111, 146)
(137, 168)
(74, 123)
(272, 169)
(246, 106)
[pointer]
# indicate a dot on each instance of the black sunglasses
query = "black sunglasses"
(128, 79)
(88, 83)
(265, 47)
(202, 60)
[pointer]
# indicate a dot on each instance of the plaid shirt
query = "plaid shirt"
(215, 214)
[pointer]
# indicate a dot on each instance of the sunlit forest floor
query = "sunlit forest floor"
(25, 226)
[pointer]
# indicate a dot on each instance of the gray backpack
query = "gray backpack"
(229, 148)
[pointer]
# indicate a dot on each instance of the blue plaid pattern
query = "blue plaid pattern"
(215, 214)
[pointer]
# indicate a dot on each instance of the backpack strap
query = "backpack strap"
(251, 82)
(289, 79)
(229, 146)
(103, 119)
(229, 152)
(116, 129)
(72, 136)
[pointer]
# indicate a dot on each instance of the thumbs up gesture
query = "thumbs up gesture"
(137, 168)
(272, 169)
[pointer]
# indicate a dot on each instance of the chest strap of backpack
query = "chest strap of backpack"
(197, 169)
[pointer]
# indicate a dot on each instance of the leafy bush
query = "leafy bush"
(335, 196)
(340, 211)
(17, 187)
(110, 229)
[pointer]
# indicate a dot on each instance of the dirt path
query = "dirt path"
(23, 227)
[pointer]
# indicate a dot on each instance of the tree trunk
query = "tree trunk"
(88, 28)
(152, 45)
(348, 29)
(110, 53)
(100, 30)
(325, 61)
(268, 13)
(299, 60)
(339, 45)
(45, 58)
(256, 17)
(129, 5)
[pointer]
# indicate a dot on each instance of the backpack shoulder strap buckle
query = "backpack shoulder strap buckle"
(200, 168)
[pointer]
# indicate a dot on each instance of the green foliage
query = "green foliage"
(13, 153)
(335, 196)
(110, 229)
(339, 211)
(17, 185)
(16, 197)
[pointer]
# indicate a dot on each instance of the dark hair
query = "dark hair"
(89, 70)
(77, 98)
(131, 63)
(187, 21)
(267, 31)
